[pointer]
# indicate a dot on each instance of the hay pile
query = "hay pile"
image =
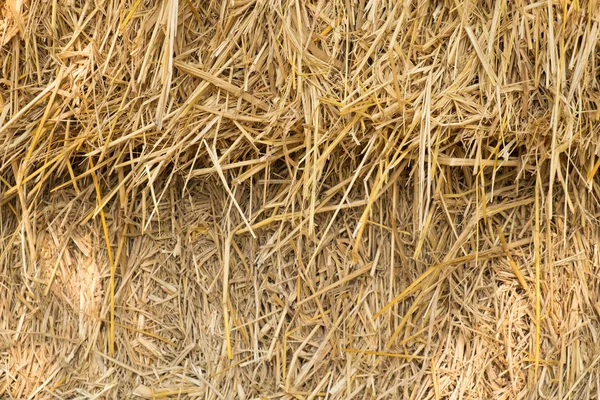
(256, 199)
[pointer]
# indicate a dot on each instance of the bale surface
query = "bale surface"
(268, 199)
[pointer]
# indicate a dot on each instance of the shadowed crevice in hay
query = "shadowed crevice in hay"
(328, 199)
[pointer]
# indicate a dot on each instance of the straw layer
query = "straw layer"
(299, 200)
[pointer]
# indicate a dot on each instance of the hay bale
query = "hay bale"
(298, 200)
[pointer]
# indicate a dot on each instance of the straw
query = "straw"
(309, 199)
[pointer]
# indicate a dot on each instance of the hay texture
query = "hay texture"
(292, 199)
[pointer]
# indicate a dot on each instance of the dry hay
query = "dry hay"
(349, 199)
